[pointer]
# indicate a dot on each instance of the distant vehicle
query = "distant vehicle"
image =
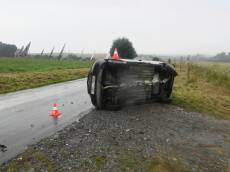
(115, 83)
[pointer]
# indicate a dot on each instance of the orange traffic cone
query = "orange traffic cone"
(55, 112)
(115, 55)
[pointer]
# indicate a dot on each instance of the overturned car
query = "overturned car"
(114, 83)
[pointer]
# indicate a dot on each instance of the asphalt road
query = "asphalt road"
(25, 115)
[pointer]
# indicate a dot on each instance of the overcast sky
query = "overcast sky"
(154, 26)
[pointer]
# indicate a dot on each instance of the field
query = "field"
(204, 87)
(38, 65)
(216, 73)
(24, 73)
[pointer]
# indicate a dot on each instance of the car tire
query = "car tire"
(89, 83)
(99, 90)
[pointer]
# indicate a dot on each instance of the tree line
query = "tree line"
(224, 57)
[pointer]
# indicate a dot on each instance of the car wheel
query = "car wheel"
(99, 90)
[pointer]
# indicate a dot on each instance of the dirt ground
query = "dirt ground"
(151, 137)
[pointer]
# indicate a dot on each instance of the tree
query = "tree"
(222, 57)
(124, 47)
(7, 50)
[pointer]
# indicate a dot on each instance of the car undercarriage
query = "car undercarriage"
(114, 83)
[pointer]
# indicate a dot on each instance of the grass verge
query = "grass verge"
(37, 160)
(10, 82)
(31, 160)
(203, 91)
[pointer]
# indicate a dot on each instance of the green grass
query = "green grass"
(206, 90)
(168, 163)
(216, 73)
(38, 65)
(31, 159)
(23, 73)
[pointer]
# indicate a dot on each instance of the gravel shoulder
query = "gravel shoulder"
(151, 137)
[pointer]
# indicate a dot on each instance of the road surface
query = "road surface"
(25, 115)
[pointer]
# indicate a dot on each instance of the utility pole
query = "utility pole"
(20, 51)
(42, 52)
(26, 50)
(51, 53)
(61, 53)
